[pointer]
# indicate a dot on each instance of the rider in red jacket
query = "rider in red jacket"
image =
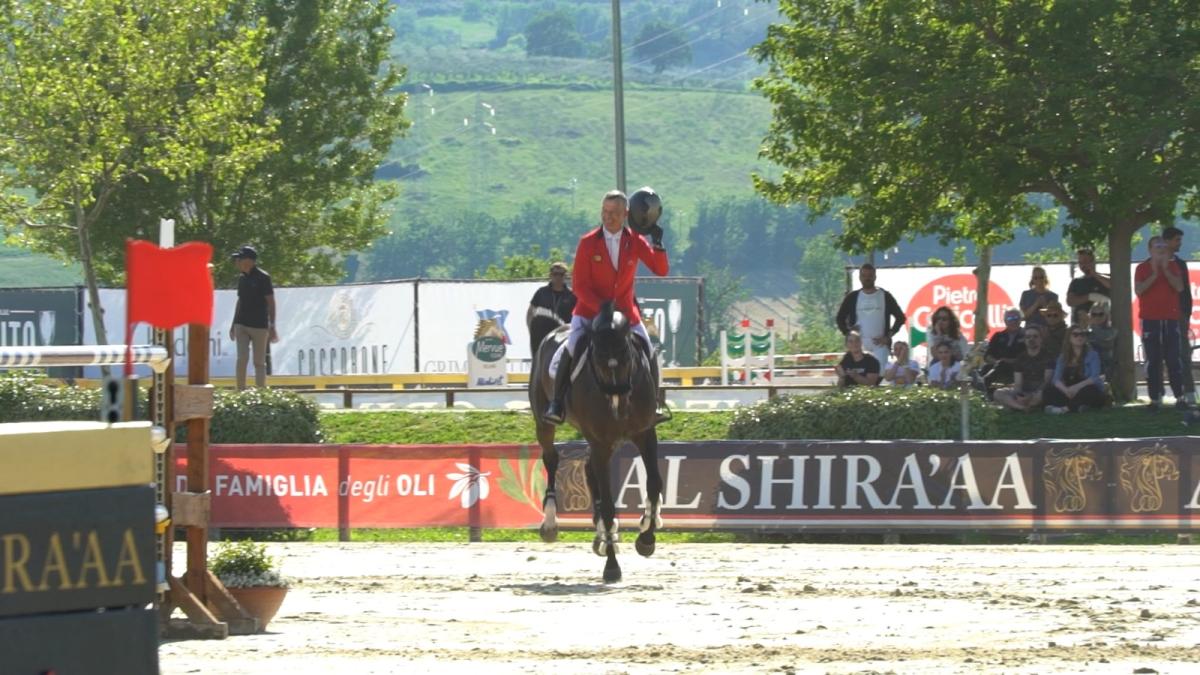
(597, 278)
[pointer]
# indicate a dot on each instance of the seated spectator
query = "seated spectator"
(1056, 329)
(1080, 317)
(1032, 370)
(857, 367)
(944, 328)
(1102, 337)
(903, 371)
(943, 374)
(1036, 298)
(1003, 349)
(1077, 383)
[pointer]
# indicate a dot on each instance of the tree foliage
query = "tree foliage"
(553, 34)
(662, 46)
(927, 112)
(531, 265)
(100, 95)
(822, 277)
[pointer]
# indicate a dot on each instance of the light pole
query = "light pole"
(618, 94)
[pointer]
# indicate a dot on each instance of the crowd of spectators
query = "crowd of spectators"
(1047, 357)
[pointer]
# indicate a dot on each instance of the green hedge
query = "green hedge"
(864, 413)
(251, 416)
(26, 397)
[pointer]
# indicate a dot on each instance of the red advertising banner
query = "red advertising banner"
(1126, 484)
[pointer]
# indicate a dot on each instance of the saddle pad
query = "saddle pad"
(552, 369)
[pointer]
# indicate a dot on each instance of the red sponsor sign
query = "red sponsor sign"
(372, 485)
(958, 292)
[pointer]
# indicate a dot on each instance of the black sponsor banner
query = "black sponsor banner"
(38, 318)
(117, 641)
(1134, 484)
(82, 549)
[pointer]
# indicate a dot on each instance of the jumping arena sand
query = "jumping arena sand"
(721, 608)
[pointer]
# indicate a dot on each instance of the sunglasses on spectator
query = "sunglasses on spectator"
(1076, 334)
(1100, 314)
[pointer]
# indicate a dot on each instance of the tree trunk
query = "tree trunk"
(1124, 384)
(89, 275)
(983, 276)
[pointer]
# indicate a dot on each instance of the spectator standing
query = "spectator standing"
(943, 374)
(253, 317)
(1037, 297)
(1003, 349)
(873, 313)
(857, 367)
(1174, 238)
(1032, 370)
(1077, 384)
(551, 306)
(1056, 329)
(903, 371)
(1102, 337)
(1091, 286)
(1157, 282)
(944, 328)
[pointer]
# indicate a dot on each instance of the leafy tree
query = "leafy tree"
(722, 289)
(663, 46)
(553, 34)
(523, 265)
(331, 90)
(822, 277)
(100, 95)
(925, 112)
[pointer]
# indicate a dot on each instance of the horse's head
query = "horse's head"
(611, 356)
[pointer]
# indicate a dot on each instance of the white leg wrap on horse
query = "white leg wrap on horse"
(550, 514)
(652, 514)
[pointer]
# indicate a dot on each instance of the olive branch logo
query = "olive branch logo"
(526, 482)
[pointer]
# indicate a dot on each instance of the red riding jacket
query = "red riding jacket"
(595, 280)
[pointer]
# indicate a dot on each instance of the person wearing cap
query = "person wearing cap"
(553, 302)
(1003, 349)
(1056, 328)
(254, 317)
(1157, 282)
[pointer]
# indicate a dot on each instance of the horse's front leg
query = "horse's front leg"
(604, 513)
(651, 520)
(549, 528)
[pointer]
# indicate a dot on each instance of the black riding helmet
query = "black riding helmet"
(645, 207)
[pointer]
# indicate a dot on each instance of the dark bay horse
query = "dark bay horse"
(611, 401)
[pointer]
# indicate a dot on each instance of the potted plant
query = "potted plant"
(252, 578)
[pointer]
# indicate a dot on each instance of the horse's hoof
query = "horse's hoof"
(612, 573)
(644, 544)
(549, 534)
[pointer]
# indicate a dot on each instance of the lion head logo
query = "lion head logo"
(1141, 471)
(1065, 471)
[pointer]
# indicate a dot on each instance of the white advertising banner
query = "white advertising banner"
(450, 312)
(323, 330)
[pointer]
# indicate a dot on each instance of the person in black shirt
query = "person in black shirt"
(254, 317)
(550, 307)
(1174, 238)
(1088, 288)
(1003, 349)
(857, 367)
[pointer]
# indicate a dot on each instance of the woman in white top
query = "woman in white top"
(943, 374)
(903, 370)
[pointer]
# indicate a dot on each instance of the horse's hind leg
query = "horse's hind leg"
(652, 518)
(549, 528)
(605, 542)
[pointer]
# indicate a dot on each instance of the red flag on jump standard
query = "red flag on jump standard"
(168, 287)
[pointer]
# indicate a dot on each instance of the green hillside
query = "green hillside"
(557, 142)
(21, 269)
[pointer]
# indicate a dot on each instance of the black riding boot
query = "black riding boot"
(660, 415)
(556, 413)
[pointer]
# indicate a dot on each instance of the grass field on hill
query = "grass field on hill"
(557, 142)
(21, 269)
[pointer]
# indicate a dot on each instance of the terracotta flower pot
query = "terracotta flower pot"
(260, 602)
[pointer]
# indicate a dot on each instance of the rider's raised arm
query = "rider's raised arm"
(654, 258)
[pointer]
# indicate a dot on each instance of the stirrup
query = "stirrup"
(555, 417)
(663, 414)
